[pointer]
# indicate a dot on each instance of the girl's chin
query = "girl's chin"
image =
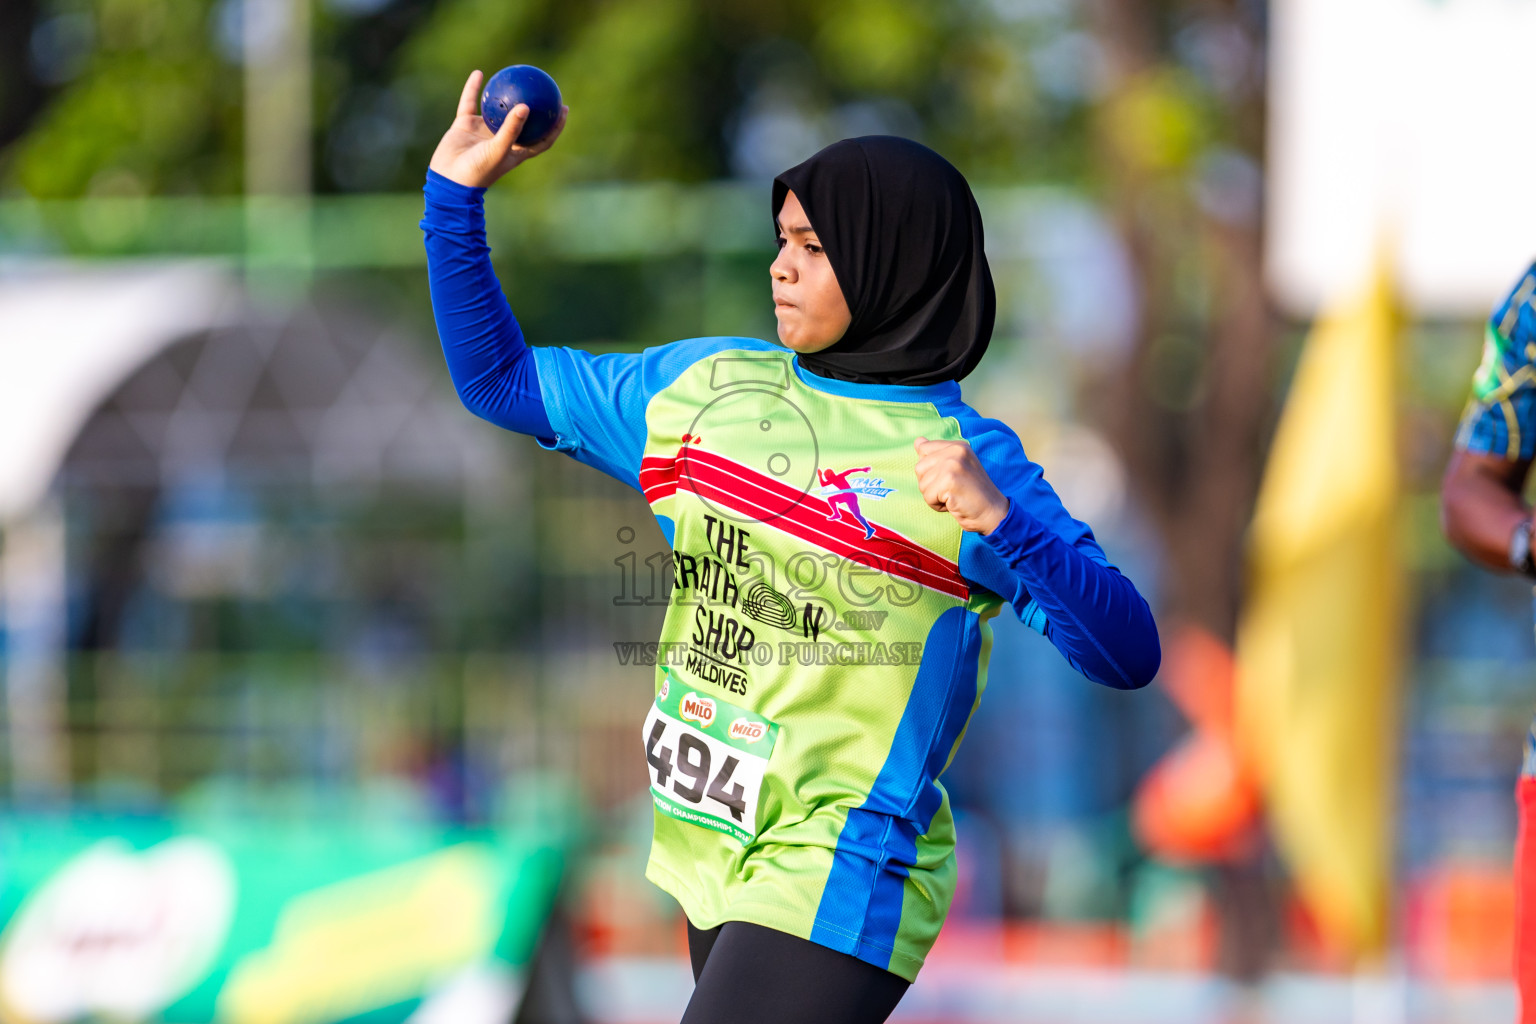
(802, 346)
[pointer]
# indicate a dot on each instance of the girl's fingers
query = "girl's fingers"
(469, 97)
(554, 133)
(507, 134)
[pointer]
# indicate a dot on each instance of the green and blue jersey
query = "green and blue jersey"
(1500, 414)
(827, 633)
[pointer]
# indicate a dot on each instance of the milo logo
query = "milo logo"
(694, 708)
(748, 730)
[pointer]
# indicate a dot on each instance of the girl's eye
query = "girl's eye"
(815, 249)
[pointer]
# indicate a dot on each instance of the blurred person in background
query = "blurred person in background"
(1484, 514)
(820, 901)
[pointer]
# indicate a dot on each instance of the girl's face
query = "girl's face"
(807, 301)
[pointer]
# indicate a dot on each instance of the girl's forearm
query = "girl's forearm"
(491, 366)
(1098, 620)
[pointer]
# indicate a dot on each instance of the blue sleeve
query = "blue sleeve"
(1500, 415)
(491, 367)
(596, 403)
(1053, 573)
(592, 407)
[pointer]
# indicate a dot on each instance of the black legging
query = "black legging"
(745, 974)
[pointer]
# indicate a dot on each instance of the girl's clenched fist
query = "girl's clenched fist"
(951, 479)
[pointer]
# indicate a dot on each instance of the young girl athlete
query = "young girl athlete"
(829, 667)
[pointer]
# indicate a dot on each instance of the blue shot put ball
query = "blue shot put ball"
(521, 83)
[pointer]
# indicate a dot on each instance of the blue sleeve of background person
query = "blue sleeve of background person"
(1052, 571)
(596, 403)
(492, 369)
(1500, 415)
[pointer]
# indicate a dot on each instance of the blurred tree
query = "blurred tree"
(20, 91)
(1179, 135)
(684, 89)
(140, 102)
(145, 96)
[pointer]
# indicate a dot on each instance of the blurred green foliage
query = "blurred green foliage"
(149, 112)
(144, 97)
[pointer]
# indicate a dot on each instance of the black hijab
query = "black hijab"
(902, 231)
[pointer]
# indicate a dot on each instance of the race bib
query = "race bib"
(707, 758)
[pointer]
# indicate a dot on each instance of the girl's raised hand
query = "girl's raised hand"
(470, 154)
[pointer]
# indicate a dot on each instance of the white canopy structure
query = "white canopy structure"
(70, 334)
(143, 373)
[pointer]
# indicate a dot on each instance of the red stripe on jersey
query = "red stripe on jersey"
(771, 502)
(658, 477)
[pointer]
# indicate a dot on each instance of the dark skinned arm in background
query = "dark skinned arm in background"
(1481, 503)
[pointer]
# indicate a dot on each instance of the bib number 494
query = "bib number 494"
(693, 762)
(707, 760)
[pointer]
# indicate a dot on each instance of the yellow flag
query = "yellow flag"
(1318, 642)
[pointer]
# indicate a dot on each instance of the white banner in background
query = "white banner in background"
(1408, 118)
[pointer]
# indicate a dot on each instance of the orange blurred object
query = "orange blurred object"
(1196, 805)
(1198, 673)
(1460, 921)
(1199, 803)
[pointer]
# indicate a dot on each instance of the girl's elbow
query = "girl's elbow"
(475, 396)
(1127, 677)
(1148, 657)
(473, 403)
(1144, 669)
(1137, 666)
